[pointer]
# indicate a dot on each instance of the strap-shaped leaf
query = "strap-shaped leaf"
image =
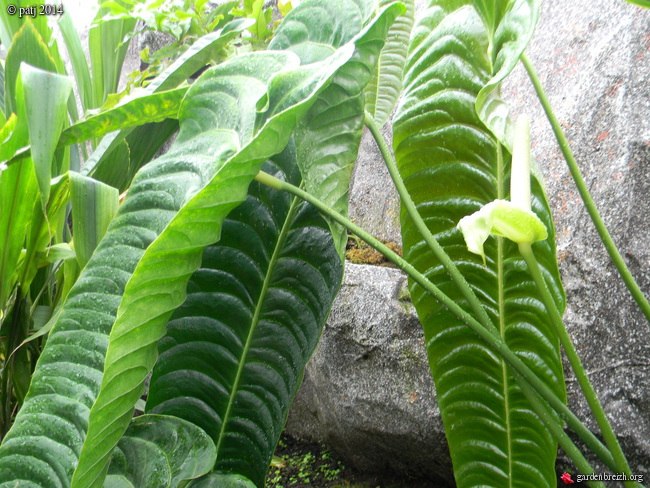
(94, 205)
(234, 118)
(46, 98)
(18, 190)
(158, 451)
(509, 30)
(452, 165)
(138, 111)
(27, 47)
(78, 59)
(328, 138)
(384, 88)
(235, 350)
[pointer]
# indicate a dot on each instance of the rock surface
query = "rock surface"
(593, 57)
(366, 391)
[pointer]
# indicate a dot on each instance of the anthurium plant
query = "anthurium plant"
(211, 268)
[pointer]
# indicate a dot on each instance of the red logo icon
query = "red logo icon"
(566, 477)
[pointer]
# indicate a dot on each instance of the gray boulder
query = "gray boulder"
(366, 391)
(593, 57)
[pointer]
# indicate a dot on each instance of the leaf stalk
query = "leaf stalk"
(604, 234)
(595, 406)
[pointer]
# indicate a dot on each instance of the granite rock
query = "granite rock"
(366, 392)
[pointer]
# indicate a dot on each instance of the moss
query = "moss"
(359, 252)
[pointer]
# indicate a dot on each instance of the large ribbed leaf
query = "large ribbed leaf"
(158, 451)
(328, 138)
(385, 87)
(233, 118)
(452, 165)
(235, 350)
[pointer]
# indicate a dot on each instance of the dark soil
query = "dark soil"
(302, 464)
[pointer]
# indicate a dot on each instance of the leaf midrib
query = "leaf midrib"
(256, 318)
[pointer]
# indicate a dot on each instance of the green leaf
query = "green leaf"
(60, 252)
(11, 24)
(44, 226)
(77, 59)
(94, 204)
(118, 170)
(27, 47)
(384, 88)
(509, 35)
(46, 98)
(233, 118)
(107, 51)
(640, 3)
(219, 480)
(235, 350)
(18, 192)
(3, 118)
(328, 138)
(452, 165)
(195, 58)
(158, 451)
(138, 111)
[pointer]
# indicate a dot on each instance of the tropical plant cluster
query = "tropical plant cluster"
(192, 286)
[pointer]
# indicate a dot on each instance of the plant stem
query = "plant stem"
(422, 228)
(611, 441)
(616, 257)
(491, 337)
(556, 430)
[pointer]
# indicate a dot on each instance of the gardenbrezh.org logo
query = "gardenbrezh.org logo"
(568, 479)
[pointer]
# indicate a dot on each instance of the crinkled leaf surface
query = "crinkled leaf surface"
(328, 138)
(452, 165)
(235, 350)
(385, 87)
(158, 451)
(234, 117)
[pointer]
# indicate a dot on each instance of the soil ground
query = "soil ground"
(302, 464)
